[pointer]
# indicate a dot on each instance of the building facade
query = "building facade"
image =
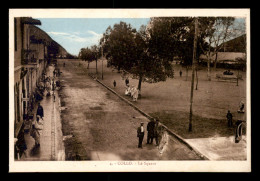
(29, 64)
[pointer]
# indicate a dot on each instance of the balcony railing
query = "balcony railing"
(29, 61)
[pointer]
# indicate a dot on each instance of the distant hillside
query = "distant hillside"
(40, 35)
(235, 45)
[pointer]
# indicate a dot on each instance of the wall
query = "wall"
(18, 42)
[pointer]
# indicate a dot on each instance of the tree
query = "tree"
(127, 49)
(119, 45)
(86, 55)
(95, 54)
(174, 36)
(206, 32)
(223, 27)
(214, 30)
(146, 66)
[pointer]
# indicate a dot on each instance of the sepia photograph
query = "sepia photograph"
(126, 90)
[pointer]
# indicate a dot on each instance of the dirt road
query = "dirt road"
(97, 125)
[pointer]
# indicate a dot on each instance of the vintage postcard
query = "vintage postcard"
(129, 90)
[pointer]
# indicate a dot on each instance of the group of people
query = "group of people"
(56, 71)
(35, 132)
(132, 91)
(152, 132)
(37, 125)
(51, 84)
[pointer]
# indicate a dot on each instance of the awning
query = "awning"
(31, 21)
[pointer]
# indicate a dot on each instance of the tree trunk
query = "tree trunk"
(187, 69)
(208, 73)
(139, 84)
(197, 79)
(215, 62)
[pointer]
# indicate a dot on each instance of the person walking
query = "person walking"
(140, 135)
(54, 97)
(53, 85)
(127, 81)
(114, 83)
(229, 118)
(40, 111)
(241, 107)
(35, 134)
(150, 132)
(156, 132)
(135, 94)
(180, 73)
(20, 144)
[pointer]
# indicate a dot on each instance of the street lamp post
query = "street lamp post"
(193, 69)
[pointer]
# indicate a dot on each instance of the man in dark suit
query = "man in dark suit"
(140, 134)
(114, 83)
(40, 110)
(229, 118)
(150, 130)
(126, 81)
(156, 132)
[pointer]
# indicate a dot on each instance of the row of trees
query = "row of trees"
(89, 54)
(148, 53)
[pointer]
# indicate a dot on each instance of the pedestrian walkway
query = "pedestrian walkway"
(221, 148)
(50, 136)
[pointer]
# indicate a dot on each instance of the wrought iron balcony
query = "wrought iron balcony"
(31, 61)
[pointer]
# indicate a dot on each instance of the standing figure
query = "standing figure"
(132, 90)
(180, 73)
(229, 118)
(64, 64)
(114, 83)
(53, 85)
(21, 144)
(241, 107)
(135, 94)
(156, 132)
(54, 73)
(150, 130)
(126, 81)
(58, 72)
(48, 88)
(54, 97)
(35, 134)
(40, 111)
(140, 135)
(127, 91)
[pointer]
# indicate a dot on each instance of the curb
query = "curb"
(203, 157)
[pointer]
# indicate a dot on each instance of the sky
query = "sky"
(74, 33)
